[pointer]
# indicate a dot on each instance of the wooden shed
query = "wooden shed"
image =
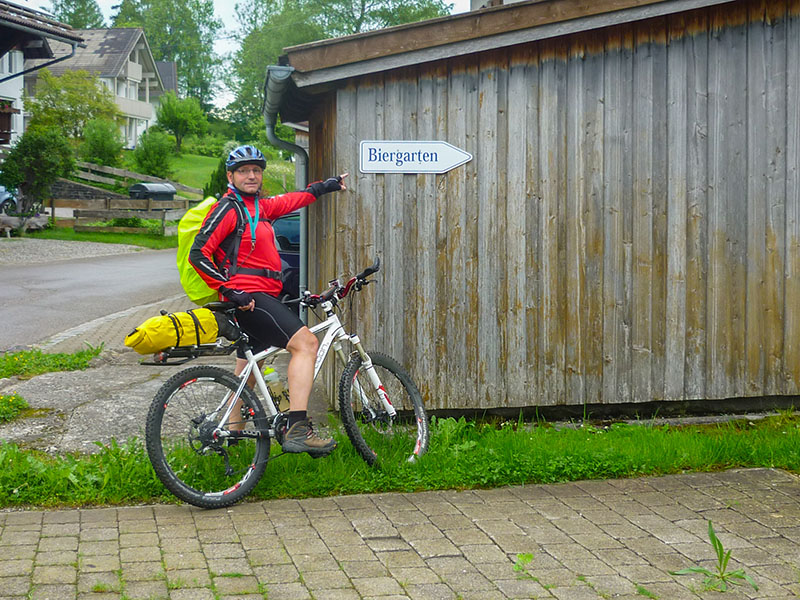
(628, 228)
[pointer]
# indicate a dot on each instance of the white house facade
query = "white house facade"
(123, 62)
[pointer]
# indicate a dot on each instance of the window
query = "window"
(5, 128)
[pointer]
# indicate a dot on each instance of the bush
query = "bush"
(206, 145)
(218, 183)
(102, 143)
(41, 156)
(153, 154)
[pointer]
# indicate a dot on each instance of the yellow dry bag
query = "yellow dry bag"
(189, 328)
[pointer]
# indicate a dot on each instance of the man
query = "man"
(252, 280)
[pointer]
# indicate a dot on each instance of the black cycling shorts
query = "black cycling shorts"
(271, 323)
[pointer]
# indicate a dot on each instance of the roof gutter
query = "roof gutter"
(275, 88)
(47, 64)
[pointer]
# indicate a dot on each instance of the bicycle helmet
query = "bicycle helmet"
(245, 155)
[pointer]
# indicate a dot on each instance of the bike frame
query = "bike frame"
(334, 336)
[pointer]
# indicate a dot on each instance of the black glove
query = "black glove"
(318, 188)
(238, 297)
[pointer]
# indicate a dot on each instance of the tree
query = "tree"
(269, 26)
(290, 25)
(68, 102)
(40, 157)
(344, 17)
(80, 14)
(102, 143)
(182, 31)
(153, 154)
(181, 117)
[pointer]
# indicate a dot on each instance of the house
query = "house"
(122, 60)
(25, 34)
(627, 229)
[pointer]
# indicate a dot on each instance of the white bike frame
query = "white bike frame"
(334, 336)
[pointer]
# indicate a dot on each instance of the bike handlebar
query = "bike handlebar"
(338, 291)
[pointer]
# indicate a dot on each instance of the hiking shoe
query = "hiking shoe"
(302, 438)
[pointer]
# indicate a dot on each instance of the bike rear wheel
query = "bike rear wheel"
(184, 444)
(372, 431)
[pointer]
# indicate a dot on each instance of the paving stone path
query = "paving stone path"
(594, 539)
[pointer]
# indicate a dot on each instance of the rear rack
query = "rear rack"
(183, 354)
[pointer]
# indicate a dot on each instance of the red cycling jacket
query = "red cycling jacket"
(213, 241)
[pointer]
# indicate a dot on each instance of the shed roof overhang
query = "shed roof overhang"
(319, 65)
(30, 30)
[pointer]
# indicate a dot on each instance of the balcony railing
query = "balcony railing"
(134, 108)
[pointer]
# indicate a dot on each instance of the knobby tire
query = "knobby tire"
(403, 438)
(191, 464)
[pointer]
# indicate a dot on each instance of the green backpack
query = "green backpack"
(194, 285)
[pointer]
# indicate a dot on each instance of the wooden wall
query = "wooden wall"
(626, 232)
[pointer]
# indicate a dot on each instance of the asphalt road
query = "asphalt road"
(40, 300)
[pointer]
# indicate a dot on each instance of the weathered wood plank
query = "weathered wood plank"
(615, 84)
(756, 308)
(697, 211)
(425, 207)
(552, 226)
(675, 344)
(642, 225)
(592, 289)
(775, 202)
(791, 353)
(521, 88)
(489, 244)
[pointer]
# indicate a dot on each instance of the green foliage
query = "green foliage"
(10, 406)
(218, 183)
(102, 143)
(182, 31)
(463, 454)
(181, 116)
(80, 14)
(41, 156)
(155, 242)
(212, 145)
(269, 26)
(721, 578)
(27, 363)
(153, 154)
(68, 102)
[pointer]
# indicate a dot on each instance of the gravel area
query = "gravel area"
(26, 251)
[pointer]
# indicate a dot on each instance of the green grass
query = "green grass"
(27, 363)
(145, 240)
(193, 170)
(463, 455)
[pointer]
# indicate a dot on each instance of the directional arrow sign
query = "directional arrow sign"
(380, 156)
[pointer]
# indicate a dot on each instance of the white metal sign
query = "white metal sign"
(380, 156)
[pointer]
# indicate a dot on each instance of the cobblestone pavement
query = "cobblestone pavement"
(594, 539)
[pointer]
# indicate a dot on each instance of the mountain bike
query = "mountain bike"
(208, 434)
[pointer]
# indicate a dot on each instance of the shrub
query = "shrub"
(41, 156)
(206, 145)
(153, 154)
(10, 406)
(218, 182)
(102, 143)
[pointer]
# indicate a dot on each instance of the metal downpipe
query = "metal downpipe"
(275, 85)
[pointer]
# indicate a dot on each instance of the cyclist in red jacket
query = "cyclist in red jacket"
(252, 280)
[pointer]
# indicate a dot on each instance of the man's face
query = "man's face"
(247, 178)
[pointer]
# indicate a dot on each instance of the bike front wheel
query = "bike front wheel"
(191, 452)
(372, 431)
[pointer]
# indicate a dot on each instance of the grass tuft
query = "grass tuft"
(27, 363)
